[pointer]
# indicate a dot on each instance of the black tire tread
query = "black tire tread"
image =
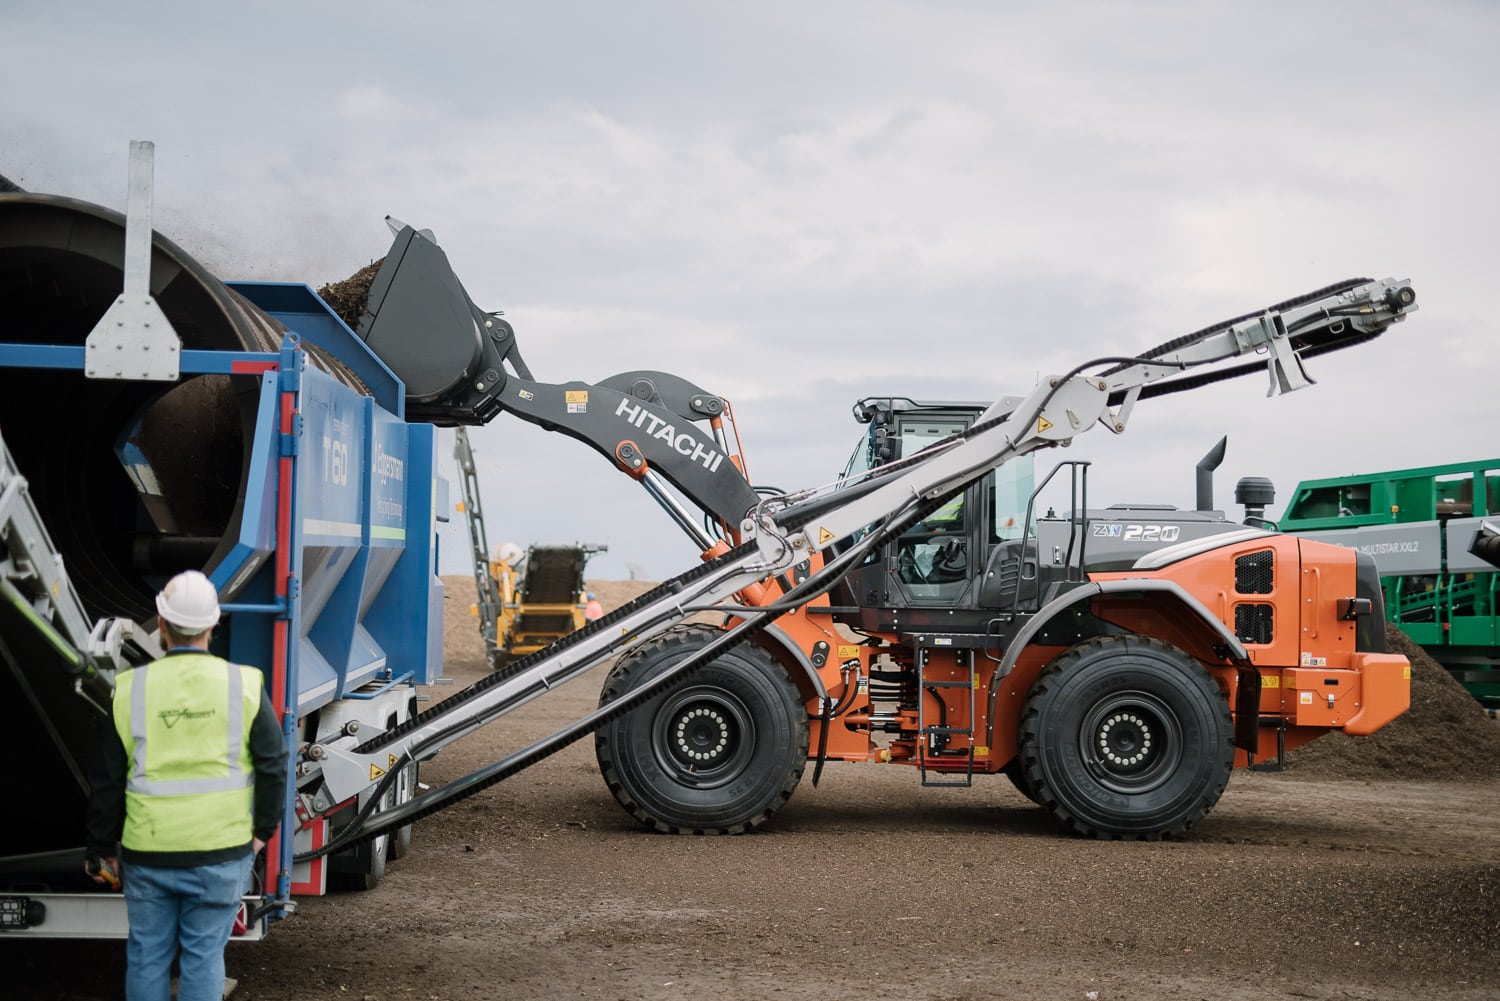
(689, 637)
(1053, 675)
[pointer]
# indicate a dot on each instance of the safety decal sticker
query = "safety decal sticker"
(375, 771)
(1306, 698)
(1406, 672)
(824, 535)
(1043, 425)
(390, 761)
(1270, 681)
(526, 394)
(847, 650)
(1308, 660)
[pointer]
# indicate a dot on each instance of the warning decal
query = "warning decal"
(1270, 681)
(576, 396)
(1043, 425)
(390, 761)
(847, 650)
(375, 771)
(824, 535)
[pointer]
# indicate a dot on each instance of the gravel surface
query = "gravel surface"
(1302, 884)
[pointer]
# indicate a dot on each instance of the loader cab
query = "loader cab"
(938, 563)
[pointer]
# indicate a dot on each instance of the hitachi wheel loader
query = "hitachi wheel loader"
(1114, 664)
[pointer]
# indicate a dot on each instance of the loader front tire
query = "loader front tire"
(717, 753)
(1126, 737)
(1017, 775)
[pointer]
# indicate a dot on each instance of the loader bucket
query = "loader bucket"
(421, 322)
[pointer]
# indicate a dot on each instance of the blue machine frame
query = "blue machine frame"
(334, 571)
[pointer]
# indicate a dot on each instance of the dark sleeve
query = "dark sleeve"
(268, 751)
(105, 819)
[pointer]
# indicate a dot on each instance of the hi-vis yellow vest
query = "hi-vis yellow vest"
(185, 723)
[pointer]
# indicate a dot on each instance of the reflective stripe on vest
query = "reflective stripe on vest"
(236, 778)
(185, 722)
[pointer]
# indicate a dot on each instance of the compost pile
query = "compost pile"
(1445, 736)
(348, 297)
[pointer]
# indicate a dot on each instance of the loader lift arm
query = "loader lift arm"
(656, 427)
(782, 531)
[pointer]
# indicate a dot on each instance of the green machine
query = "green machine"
(1435, 535)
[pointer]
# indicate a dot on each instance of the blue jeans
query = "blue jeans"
(193, 908)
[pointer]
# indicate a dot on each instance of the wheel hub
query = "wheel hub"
(702, 734)
(1125, 739)
(1130, 741)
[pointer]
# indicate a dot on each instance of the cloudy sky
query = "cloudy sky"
(798, 204)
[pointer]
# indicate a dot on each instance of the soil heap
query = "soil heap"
(1445, 736)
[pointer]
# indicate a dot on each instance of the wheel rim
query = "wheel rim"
(1131, 742)
(703, 736)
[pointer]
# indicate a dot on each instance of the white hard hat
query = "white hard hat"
(189, 603)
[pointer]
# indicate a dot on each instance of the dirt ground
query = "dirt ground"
(1301, 884)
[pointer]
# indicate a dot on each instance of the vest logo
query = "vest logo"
(170, 717)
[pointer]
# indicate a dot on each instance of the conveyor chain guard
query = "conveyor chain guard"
(526, 663)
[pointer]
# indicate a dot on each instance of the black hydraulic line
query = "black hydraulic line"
(1151, 390)
(754, 620)
(524, 664)
(1184, 383)
(1168, 347)
(355, 832)
(477, 781)
(851, 691)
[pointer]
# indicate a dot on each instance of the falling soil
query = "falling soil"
(1298, 885)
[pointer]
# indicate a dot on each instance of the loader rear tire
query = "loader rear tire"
(1126, 737)
(718, 753)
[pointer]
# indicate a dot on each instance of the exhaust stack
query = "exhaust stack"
(1206, 467)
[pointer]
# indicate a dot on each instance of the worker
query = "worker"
(188, 782)
(592, 609)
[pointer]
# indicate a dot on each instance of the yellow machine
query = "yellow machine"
(524, 600)
(540, 595)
